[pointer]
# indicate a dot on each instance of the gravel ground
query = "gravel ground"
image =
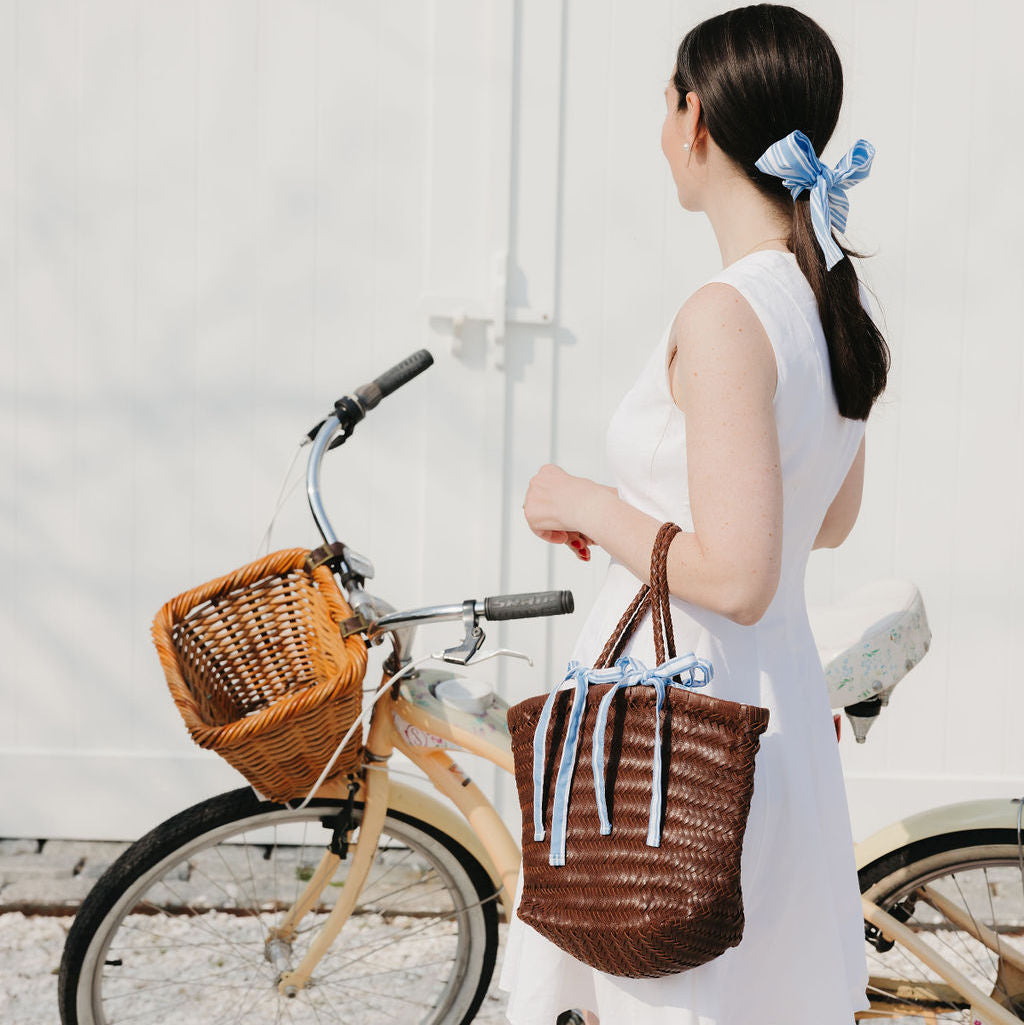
(41, 885)
(47, 880)
(32, 946)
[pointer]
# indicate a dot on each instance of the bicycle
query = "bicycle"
(371, 901)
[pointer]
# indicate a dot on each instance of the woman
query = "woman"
(745, 427)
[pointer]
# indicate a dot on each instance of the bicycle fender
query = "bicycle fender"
(411, 800)
(990, 813)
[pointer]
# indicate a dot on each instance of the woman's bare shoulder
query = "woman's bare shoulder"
(717, 327)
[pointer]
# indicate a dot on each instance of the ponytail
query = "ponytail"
(858, 354)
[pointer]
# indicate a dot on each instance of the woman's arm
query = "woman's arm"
(842, 513)
(726, 374)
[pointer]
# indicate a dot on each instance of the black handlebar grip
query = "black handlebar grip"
(528, 605)
(391, 380)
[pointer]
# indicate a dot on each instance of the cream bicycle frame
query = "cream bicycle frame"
(375, 791)
(496, 843)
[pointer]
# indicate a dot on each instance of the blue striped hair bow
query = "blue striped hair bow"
(626, 672)
(794, 161)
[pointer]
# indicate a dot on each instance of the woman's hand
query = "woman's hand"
(578, 542)
(553, 501)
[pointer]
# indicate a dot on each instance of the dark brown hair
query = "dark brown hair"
(761, 72)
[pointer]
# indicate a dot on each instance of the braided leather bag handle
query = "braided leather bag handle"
(654, 597)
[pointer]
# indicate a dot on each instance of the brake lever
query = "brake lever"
(310, 436)
(460, 654)
(503, 651)
(466, 652)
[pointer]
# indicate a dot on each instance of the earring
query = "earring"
(686, 145)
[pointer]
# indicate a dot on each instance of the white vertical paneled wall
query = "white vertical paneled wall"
(218, 216)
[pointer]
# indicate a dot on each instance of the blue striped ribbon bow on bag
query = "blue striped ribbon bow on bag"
(627, 672)
(794, 161)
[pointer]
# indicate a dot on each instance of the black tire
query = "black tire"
(427, 898)
(980, 872)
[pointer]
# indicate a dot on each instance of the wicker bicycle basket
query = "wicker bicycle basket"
(259, 671)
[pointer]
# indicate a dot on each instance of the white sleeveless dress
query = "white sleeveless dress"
(801, 960)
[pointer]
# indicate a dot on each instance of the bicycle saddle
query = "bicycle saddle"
(870, 639)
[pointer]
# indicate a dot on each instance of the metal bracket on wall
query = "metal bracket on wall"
(496, 314)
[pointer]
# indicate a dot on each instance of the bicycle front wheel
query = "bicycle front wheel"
(963, 894)
(176, 930)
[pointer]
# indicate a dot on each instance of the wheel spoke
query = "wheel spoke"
(980, 968)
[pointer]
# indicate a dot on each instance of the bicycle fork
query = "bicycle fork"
(375, 788)
(375, 794)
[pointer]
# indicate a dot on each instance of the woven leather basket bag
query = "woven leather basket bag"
(616, 901)
(259, 671)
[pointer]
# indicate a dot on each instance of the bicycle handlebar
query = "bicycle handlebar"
(499, 606)
(391, 380)
(528, 605)
(333, 431)
(348, 411)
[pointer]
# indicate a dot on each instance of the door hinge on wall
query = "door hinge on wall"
(495, 313)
